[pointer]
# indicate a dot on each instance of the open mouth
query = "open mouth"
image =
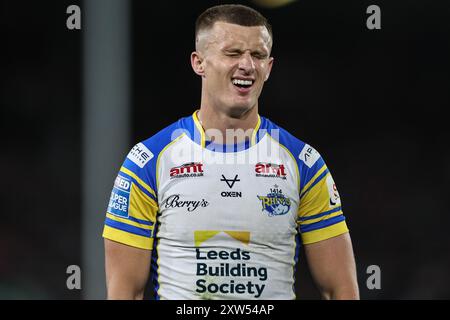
(242, 84)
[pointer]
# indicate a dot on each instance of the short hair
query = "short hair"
(231, 13)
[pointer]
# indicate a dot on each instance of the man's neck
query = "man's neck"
(212, 119)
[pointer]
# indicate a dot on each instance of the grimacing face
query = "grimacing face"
(234, 62)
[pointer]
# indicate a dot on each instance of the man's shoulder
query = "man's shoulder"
(305, 154)
(145, 152)
(163, 137)
(283, 136)
(308, 159)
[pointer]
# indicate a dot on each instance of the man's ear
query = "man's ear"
(197, 63)
(269, 68)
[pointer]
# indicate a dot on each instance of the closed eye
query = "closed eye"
(260, 55)
(238, 53)
(233, 53)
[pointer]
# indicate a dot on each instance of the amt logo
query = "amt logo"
(189, 169)
(263, 169)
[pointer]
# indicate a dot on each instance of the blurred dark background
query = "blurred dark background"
(371, 101)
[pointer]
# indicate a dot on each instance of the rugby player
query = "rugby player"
(218, 204)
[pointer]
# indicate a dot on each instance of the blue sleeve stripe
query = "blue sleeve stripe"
(308, 174)
(140, 221)
(126, 227)
(319, 214)
(139, 186)
(145, 191)
(315, 182)
(322, 224)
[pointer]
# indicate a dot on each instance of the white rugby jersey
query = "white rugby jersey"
(223, 221)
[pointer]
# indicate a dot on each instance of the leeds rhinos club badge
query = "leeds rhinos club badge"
(275, 203)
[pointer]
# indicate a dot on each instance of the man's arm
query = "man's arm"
(127, 269)
(332, 266)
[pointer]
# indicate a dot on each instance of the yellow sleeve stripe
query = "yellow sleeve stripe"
(141, 205)
(129, 222)
(331, 215)
(127, 238)
(139, 180)
(293, 158)
(325, 233)
(314, 178)
(315, 201)
(296, 166)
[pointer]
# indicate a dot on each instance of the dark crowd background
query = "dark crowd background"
(371, 101)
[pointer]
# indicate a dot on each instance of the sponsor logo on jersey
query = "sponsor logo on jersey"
(335, 199)
(120, 196)
(233, 269)
(187, 170)
(231, 194)
(140, 155)
(230, 183)
(227, 271)
(275, 203)
(309, 155)
(270, 170)
(122, 183)
(174, 201)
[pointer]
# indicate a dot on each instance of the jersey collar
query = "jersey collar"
(200, 136)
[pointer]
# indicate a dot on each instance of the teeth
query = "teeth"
(243, 82)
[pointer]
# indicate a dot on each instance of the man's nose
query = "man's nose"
(246, 63)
